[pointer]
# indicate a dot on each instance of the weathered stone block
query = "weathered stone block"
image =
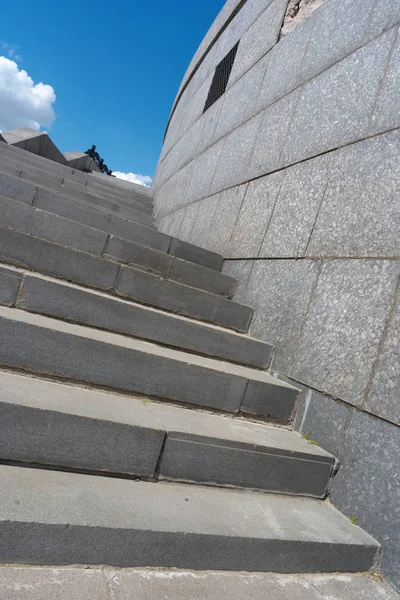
(275, 123)
(240, 100)
(270, 401)
(322, 418)
(386, 112)
(9, 286)
(344, 326)
(240, 270)
(205, 166)
(259, 38)
(205, 212)
(384, 15)
(223, 222)
(384, 393)
(280, 291)
(191, 457)
(283, 66)
(235, 156)
(293, 217)
(334, 108)
(254, 216)
(338, 30)
(362, 200)
(188, 222)
(195, 254)
(367, 484)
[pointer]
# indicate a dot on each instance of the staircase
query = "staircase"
(139, 424)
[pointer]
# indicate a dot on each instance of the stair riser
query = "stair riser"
(95, 195)
(79, 306)
(103, 221)
(170, 267)
(49, 226)
(111, 223)
(41, 350)
(52, 259)
(81, 193)
(149, 289)
(38, 543)
(50, 178)
(68, 441)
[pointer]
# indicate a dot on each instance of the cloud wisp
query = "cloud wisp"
(22, 102)
(134, 178)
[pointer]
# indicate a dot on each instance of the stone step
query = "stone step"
(103, 583)
(39, 344)
(59, 185)
(74, 428)
(37, 254)
(55, 518)
(110, 223)
(85, 179)
(49, 226)
(69, 302)
(25, 160)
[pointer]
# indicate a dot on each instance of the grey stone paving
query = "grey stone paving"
(68, 583)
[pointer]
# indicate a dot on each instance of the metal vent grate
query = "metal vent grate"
(221, 78)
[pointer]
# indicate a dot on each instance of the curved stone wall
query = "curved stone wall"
(294, 176)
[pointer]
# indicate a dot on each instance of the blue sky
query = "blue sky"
(115, 68)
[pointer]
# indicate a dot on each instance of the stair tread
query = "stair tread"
(142, 346)
(135, 410)
(72, 302)
(46, 164)
(21, 249)
(67, 232)
(93, 501)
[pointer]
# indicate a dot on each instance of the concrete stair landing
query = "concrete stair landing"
(139, 425)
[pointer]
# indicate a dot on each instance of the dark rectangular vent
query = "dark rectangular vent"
(221, 78)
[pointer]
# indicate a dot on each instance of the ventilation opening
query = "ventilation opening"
(221, 78)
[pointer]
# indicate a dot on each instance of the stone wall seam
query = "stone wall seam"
(272, 212)
(316, 216)
(384, 335)
(308, 307)
(297, 162)
(301, 84)
(383, 78)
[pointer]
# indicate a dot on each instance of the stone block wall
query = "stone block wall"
(294, 176)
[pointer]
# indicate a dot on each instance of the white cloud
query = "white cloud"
(22, 102)
(133, 178)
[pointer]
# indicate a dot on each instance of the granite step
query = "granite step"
(55, 518)
(51, 227)
(57, 174)
(85, 179)
(59, 185)
(69, 302)
(111, 223)
(75, 428)
(36, 254)
(44, 345)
